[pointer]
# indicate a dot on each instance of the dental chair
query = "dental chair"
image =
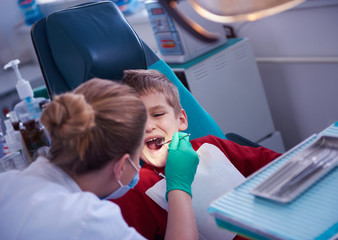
(95, 40)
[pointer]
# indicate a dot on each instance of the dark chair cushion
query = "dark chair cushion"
(85, 46)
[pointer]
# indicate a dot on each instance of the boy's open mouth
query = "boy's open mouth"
(154, 143)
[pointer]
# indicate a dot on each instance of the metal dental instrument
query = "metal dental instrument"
(301, 171)
(160, 141)
(312, 168)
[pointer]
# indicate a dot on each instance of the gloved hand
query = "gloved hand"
(181, 164)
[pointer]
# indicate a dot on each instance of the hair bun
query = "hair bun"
(68, 116)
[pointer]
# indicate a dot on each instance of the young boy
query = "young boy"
(223, 164)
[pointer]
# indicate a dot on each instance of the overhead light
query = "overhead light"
(225, 11)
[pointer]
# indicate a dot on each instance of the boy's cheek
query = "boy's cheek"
(145, 156)
(158, 160)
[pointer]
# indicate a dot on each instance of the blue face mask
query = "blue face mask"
(124, 189)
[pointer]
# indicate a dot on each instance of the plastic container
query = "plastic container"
(128, 6)
(30, 10)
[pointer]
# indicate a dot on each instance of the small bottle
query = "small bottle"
(31, 11)
(34, 137)
(6, 151)
(15, 144)
(14, 120)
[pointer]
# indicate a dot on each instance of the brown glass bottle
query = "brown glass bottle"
(34, 137)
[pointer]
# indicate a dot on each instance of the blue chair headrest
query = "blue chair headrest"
(86, 46)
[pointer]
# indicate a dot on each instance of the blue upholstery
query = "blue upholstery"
(83, 42)
(95, 40)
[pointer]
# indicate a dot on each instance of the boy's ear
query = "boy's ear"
(183, 120)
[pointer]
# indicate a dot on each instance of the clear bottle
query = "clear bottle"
(16, 131)
(14, 120)
(15, 144)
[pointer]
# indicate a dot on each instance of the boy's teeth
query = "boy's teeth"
(151, 143)
(151, 139)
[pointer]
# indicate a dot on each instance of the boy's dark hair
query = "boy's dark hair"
(149, 81)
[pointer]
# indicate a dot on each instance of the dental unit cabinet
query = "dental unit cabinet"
(227, 83)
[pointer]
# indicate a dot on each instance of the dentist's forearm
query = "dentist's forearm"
(181, 222)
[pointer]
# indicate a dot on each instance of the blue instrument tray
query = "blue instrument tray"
(311, 215)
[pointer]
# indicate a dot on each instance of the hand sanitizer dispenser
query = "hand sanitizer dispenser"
(29, 107)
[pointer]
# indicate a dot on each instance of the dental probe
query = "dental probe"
(162, 139)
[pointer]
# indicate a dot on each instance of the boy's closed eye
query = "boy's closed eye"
(158, 114)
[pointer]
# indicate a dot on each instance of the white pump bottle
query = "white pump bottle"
(28, 108)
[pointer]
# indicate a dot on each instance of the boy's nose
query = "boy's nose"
(150, 125)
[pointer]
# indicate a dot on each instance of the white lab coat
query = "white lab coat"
(43, 202)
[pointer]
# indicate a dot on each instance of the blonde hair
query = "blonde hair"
(99, 121)
(148, 81)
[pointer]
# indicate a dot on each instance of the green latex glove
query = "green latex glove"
(181, 164)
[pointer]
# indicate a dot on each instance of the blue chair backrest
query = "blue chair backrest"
(95, 40)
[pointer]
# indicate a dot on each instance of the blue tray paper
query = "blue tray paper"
(313, 215)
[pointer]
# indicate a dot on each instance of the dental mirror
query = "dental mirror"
(161, 141)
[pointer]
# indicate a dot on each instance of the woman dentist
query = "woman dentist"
(97, 134)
